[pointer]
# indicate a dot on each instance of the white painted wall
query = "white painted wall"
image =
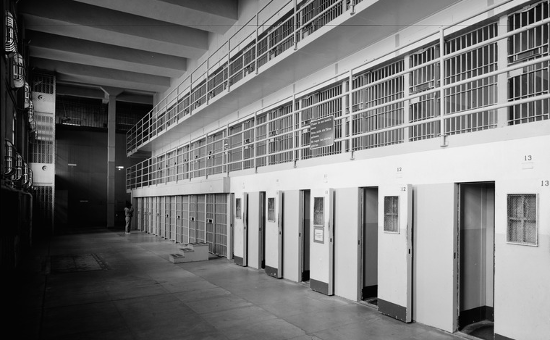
(522, 273)
(488, 160)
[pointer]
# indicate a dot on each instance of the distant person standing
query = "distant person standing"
(128, 213)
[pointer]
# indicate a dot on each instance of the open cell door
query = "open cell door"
(395, 229)
(322, 241)
(240, 235)
(274, 234)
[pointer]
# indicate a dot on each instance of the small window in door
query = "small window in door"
(522, 219)
(238, 208)
(271, 209)
(391, 214)
(319, 211)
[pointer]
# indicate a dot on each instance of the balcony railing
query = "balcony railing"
(447, 88)
(246, 52)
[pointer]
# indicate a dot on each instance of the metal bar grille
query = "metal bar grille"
(45, 126)
(381, 118)
(183, 106)
(427, 106)
(198, 156)
(215, 149)
(173, 219)
(198, 95)
(479, 93)
(522, 219)
(248, 144)
(385, 111)
(316, 14)
(235, 153)
(41, 151)
(183, 163)
(159, 216)
(151, 213)
(531, 80)
(242, 63)
(281, 135)
(185, 220)
(165, 216)
(217, 81)
(140, 213)
(171, 166)
(179, 221)
(322, 106)
(391, 214)
(210, 232)
(220, 219)
(261, 137)
(43, 83)
(201, 222)
(192, 219)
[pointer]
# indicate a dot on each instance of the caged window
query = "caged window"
(318, 211)
(391, 214)
(522, 219)
(238, 207)
(271, 209)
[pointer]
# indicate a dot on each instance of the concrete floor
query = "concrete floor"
(141, 295)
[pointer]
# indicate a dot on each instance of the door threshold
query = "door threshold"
(480, 330)
(370, 302)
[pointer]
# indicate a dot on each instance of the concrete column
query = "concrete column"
(111, 95)
(111, 138)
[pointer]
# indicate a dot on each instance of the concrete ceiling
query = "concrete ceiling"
(136, 47)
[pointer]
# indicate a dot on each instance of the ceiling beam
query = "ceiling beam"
(106, 26)
(215, 16)
(100, 76)
(50, 46)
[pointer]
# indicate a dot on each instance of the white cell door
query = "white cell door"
(240, 236)
(274, 234)
(322, 241)
(395, 251)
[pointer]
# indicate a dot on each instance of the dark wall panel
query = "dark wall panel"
(86, 182)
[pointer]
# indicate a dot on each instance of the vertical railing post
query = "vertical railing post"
(406, 103)
(502, 78)
(191, 93)
(442, 127)
(300, 124)
(295, 130)
(229, 64)
(257, 43)
(349, 110)
(295, 25)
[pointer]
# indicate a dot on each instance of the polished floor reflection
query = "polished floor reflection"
(109, 285)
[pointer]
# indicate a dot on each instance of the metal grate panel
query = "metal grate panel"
(381, 118)
(426, 106)
(220, 240)
(391, 214)
(476, 94)
(210, 232)
(185, 220)
(531, 80)
(522, 219)
(201, 218)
